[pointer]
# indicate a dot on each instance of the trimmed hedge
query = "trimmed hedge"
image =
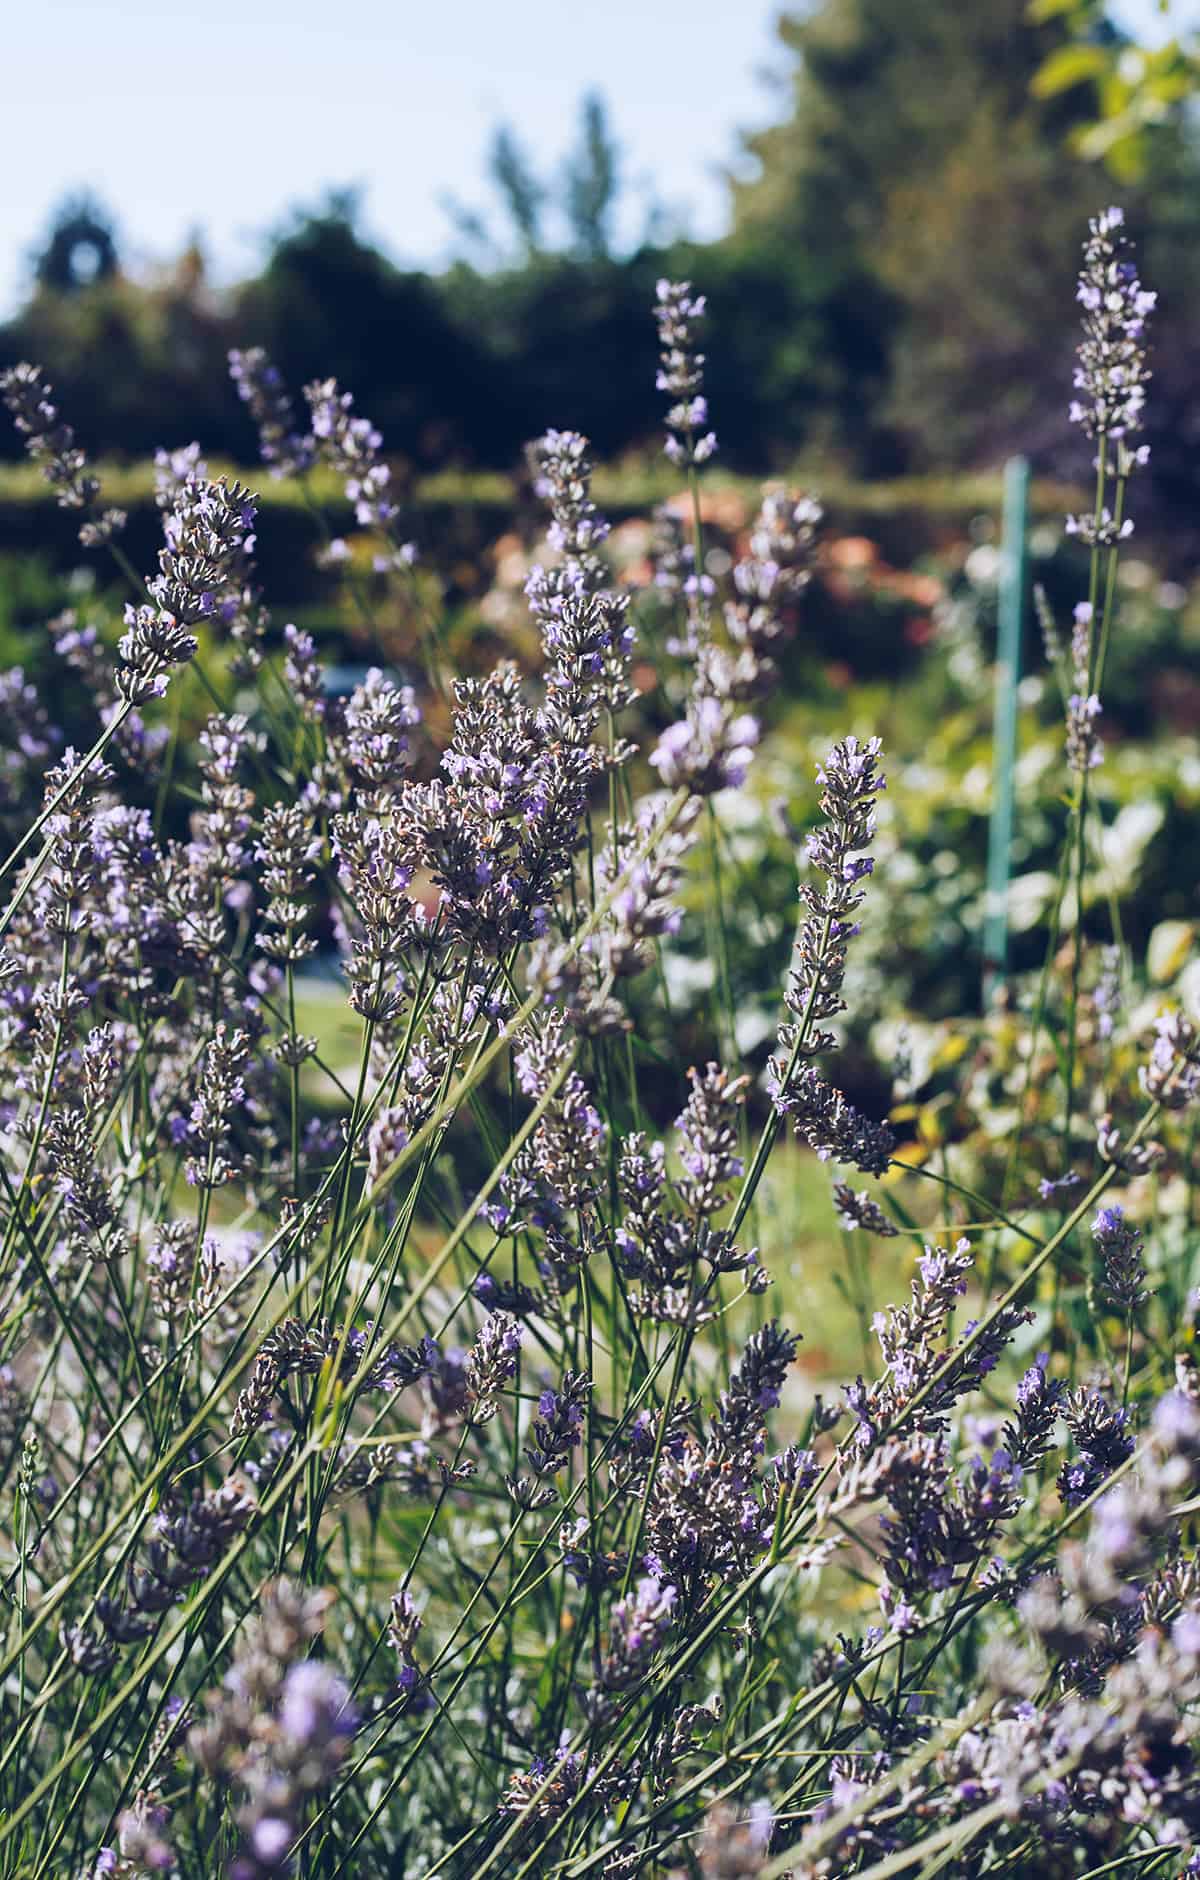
(459, 516)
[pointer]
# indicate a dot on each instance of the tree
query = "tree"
(917, 171)
(575, 209)
(524, 196)
(328, 304)
(592, 182)
(81, 248)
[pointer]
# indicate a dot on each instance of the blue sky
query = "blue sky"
(218, 115)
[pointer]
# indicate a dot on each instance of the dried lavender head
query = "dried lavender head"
(141, 1836)
(170, 1270)
(88, 1650)
(206, 532)
(303, 674)
(1028, 1436)
(588, 642)
(188, 1540)
(218, 855)
(220, 1093)
(354, 449)
(403, 1629)
(557, 1427)
(645, 908)
(822, 1117)
(734, 1844)
(1106, 999)
(562, 1166)
(373, 738)
(912, 1340)
(71, 1153)
(768, 584)
(14, 1413)
(562, 472)
(499, 829)
(739, 1427)
(704, 1521)
(294, 1349)
(546, 1789)
(286, 852)
(376, 865)
(851, 782)
(674, 561)
(820, 1114)
(70, 873)
(1112, 372)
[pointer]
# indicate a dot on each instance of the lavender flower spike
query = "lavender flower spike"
(1112, 373)
(206, 534)
(260, 386)
(681, 373)
(1120, 1247)
(52, 443)
(851, 782)
(708, 750)
(1084, 748)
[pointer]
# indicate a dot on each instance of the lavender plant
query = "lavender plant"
(408, 1467)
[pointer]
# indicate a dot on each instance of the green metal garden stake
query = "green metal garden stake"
(1013, 565)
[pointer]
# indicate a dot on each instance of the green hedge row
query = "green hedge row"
(459, 516)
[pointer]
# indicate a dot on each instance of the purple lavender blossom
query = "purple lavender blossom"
(640, 1623)
(708, 750)
(1119, 1245)
(260, 386)
(678, 312)
(1112, 371)
(52, 444)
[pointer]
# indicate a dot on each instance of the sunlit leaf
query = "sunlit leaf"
(1070, 65)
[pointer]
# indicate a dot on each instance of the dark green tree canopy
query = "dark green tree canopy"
(81, 248)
